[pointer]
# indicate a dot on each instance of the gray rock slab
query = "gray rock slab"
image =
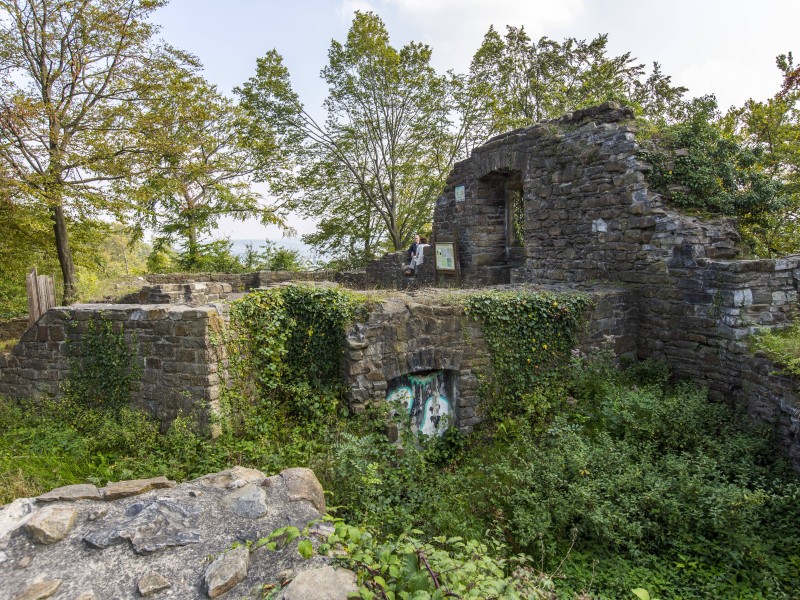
(249, 501)
(323, 583)
(227, 571)
(117, 569)
(51, 524)
(70, 493)
(150, 526)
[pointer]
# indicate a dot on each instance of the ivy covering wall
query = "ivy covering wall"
(530, 336)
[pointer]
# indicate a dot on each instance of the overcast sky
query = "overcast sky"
(727, 48)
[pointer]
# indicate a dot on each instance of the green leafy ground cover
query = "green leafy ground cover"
(597, 482)
(781, 345)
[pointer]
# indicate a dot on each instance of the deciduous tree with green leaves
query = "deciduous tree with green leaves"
(371, 171)
(194, 165)
(518, 82)
(772, 129)
(67, 82)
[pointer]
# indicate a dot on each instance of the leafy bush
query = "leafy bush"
(289, 341)
(701, 168)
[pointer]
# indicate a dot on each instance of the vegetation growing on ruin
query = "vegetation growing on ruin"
(529, 335)
(742, 164)
(632, 483)
(782, 346)
(103, 370)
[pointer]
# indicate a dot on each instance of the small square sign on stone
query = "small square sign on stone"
(460, 193)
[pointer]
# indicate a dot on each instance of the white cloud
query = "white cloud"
(732, 81)
(348, 7)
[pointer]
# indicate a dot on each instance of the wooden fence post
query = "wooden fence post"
(41, 295)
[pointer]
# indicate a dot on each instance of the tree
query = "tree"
(68, 70)
(771, 129)
(194, 164)
(372, 170)
(519, 82)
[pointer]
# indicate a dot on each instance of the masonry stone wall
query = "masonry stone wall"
(388, 272)
(173, 346)
(427, 331)
(590, 218)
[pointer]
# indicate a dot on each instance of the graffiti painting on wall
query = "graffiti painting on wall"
(427, 398)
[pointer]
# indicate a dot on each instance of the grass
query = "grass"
(782, 346)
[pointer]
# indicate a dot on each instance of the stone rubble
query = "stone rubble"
(161, 540)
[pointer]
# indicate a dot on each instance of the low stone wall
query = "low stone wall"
(172, 344)
(428, 331)
(388, 272)
(241, 282)
(189, 294)
(198, 289)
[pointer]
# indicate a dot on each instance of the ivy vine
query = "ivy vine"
(103, 367)
(529, 336)
(289, 341)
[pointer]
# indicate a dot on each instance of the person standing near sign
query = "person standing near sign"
(419, 247)
(412, 250)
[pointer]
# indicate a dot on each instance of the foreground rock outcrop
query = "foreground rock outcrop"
(153, 538)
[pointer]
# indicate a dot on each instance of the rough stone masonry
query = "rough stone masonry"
(590, 218)
(588, 221)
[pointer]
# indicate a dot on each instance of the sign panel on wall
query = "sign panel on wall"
(445, 256)
(460, 193)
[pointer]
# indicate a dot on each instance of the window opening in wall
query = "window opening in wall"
(515, 219)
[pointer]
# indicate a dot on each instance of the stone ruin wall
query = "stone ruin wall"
(590, 221)
(590, 218)
(182, 362)
(428, 331)
(173, 345)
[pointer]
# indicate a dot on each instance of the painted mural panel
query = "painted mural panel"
(427, 398)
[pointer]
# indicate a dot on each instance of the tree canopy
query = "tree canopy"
(97, 122)
(370, 172)
(67, 82)
(193, 164)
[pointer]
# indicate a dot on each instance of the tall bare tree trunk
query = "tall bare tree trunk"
(64, 253)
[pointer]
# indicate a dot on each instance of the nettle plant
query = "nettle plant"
(530, 336)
